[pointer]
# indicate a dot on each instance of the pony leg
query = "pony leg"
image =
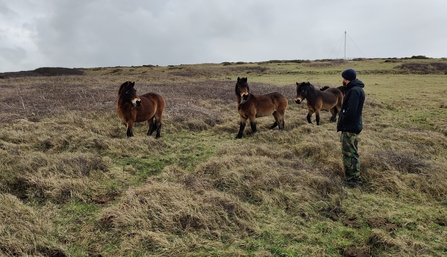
(252, 124)
(334, 114)
(309, 115)
(156, 126)
(152, 127)
(241, 129)
(276, 116)
(281, 124)
(317, 114)
(158, 130)
(274, 125)
(129, 129)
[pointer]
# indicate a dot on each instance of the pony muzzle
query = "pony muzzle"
(298, 100)
(244, 97)
(136, 102)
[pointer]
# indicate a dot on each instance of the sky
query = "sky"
(109, 33)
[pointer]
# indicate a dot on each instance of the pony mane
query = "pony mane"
(242, 80)
(310, 85)
(305, 84)
(124, 86)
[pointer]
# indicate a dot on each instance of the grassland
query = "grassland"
(72, 184)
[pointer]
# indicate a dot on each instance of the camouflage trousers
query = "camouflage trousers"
(351, 159)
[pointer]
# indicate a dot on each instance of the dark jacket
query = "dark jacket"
(350, 118)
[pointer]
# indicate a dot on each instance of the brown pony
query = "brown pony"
(133, 108)
(329, 99)
(251, 106)
(341, 88)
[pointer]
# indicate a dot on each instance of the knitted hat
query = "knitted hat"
(349, 74)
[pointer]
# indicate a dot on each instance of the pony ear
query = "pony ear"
(238, 79)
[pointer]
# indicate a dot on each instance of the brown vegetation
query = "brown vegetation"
(48, 71)
(425, 68)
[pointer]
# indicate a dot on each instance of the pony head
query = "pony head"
(242, 89)
(301, 91)
(128, 93)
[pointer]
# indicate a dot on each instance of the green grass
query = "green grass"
(72, 183)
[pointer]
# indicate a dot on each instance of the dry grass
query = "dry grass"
(72, 184)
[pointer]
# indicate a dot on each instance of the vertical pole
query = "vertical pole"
(345, 45)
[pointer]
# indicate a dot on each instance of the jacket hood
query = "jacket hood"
(355, 83)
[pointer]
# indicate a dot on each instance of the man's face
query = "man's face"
(345, 82)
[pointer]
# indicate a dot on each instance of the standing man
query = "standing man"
(350, 125)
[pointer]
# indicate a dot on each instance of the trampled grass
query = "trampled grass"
(72, 184)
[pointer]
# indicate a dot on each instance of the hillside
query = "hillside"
(73, 184)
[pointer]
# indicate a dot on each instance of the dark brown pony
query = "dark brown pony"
(133, 108)
(341, 88)
(251, 106)
(317, 100)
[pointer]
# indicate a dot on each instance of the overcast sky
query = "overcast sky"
(104, 33)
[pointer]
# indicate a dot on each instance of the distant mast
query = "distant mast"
(345, 46)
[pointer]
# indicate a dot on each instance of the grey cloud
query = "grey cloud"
(111, 33)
